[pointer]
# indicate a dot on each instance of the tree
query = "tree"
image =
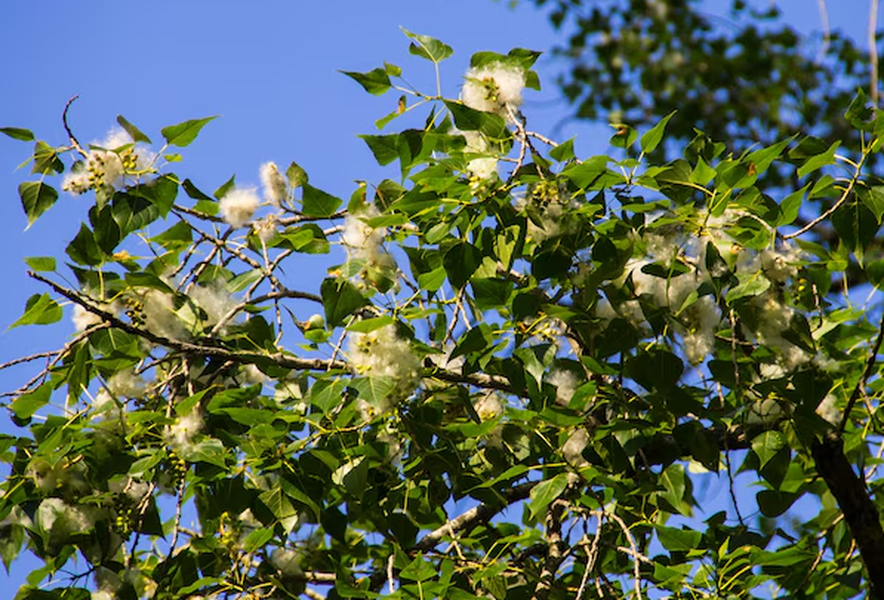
(509, 387)
(743, 76)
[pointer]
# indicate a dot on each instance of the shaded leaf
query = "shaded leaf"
(36, 198)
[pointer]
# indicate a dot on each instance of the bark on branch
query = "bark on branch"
(856, 504)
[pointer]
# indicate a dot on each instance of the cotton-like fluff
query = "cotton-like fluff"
(573, 448)
(274, 184)
(702, 318)
(774, 318)
(83, 319)
(238, 206)
(382, 353)
(765, 412)
(551, 211)
(495, 88)
(214, 299)
(482, 167)
(490, 406)
(55, 515)
(265, 228)
(160, 315)
(828, 410)
(106, 168)
(181, 433)
(565, 383)
(361, 240)
(286, 561)
(127, 384)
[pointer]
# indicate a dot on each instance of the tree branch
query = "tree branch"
(474, 517)
(555, 549)
(859, 510)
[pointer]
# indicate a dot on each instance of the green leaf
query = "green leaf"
(40, 309)
(860, 114)
(11, 544)
(585, 174)
(678, 540)
(244, 280)
(790, 205)
(469, 119)
(767, 445)
(317, 203)
(340, 298)
(133, 131)
(307, 238)
(83, 250)
(460, 262)
(675, 180)
(375, 390)
(856, 226)
(774, 503)
(225, 188)
(820, 160)
(132, 213)
(257, 539)
(148, 280)
(178, 236)
(750, 284)
(798, 332)
(375, 82)
(428, 47)
(656, 369)
(16, 133)
(873, 198)
(760, 160)
(384, 147)
(674, 488)
(624, 136)
(160, 192)
(46, 160)
(41, 263)
(545, 492)
(702, 173)
(27, 404)
(652, 138)
(278, 503)
(36, 198)
(563, 152)
(369, 325)
(419, 569)
(491, 293)
(296, 175)
(476, 339)
(184, 133)
(785, 556)
(192, 191)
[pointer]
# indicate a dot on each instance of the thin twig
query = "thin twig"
(633, 549)
(391, 579)
(827, 32)
(591, 557)
(64, 120)
(834, 207)
(873, 51)
(730, 484)
(861, 384)
(30, 358)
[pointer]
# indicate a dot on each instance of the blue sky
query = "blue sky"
(269, 69)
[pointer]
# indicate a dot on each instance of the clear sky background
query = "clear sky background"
(269, 68)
